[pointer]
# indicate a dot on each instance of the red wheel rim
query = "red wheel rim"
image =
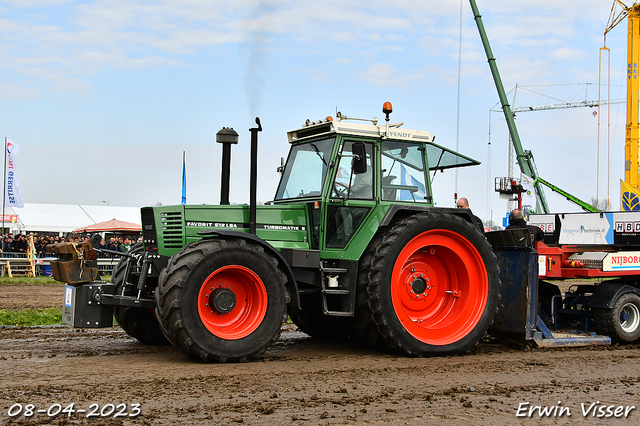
(250, 302)
(439, 287)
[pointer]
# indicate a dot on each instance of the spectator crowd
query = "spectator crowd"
(19, 244)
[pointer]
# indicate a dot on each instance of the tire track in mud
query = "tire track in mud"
(303, 381)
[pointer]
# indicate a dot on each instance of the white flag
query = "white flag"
(529, 196)
(13, 197)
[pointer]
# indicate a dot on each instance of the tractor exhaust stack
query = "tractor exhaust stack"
(227, 136)
(253, 177)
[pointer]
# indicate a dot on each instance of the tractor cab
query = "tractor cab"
(345, 169)
(340, 160)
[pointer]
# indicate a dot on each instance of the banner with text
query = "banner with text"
(13, 218)
(529, 194)
(13, 197)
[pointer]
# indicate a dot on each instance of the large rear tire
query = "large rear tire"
(622, 321)
(139, 323)
(364, 324)
(434, 285)
(221, 300)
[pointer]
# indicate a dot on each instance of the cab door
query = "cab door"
(351, 196)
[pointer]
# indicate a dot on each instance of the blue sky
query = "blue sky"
(103, 96)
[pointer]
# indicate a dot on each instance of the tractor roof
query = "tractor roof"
(356, 129)
(442, 158)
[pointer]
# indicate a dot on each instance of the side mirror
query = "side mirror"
(359, 165)
(280, 168)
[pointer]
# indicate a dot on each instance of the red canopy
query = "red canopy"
(110, 225)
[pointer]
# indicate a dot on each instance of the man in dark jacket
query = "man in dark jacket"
(7, 244)
(516, 221)
(20, 245)
(463, 203)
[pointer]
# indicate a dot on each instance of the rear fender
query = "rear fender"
(292, 285)
(402, 210)
(606, 294)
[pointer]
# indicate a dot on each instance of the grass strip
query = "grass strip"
(27, 280)
(40, 280)
(31, 317)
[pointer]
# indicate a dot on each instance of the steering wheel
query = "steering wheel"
(340, 189)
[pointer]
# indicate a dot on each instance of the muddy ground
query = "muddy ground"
(300, 381)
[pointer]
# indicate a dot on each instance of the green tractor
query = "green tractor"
(351, 247)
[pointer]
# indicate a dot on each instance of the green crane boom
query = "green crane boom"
(524, 158)
(585, 206)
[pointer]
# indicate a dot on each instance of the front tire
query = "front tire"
(433, 285)
(139, 323)
(221, 300)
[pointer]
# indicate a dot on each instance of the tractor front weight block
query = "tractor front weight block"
(83, 307)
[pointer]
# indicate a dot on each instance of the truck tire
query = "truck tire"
(434, 285)
(139, 323)
(221, 300)
(622, 321)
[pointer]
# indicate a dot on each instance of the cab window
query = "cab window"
(403, 172)
(348, 184)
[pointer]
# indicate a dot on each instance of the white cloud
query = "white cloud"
(437, 45)
(383, 74)
(518, 71)
(15, 92)
(97, 60)
(134, 34)
(36, 3)
(567, 54)
(585, 10)
(437, 75)
(343, 61)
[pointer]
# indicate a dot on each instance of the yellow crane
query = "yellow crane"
(630, 199)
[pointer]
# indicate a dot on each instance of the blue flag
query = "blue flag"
(184, 178)
(408, 180)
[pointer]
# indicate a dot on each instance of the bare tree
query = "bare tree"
(602, 205)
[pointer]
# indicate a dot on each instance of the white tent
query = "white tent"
(64, 218)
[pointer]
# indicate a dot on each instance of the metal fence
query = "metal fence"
(43, 264)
